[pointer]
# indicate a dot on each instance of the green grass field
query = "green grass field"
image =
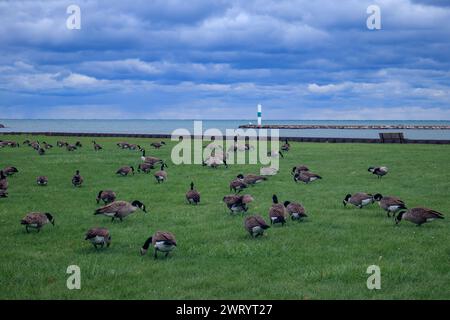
(324, 257)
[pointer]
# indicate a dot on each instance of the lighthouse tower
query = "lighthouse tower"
(259, 115)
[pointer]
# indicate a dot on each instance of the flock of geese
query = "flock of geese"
(255, 225)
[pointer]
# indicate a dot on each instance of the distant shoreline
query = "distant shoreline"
(355, 127)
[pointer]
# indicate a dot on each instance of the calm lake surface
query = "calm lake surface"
(167, 126)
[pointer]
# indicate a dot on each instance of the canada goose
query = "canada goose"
(124, 171)
(277, 213)
(162, 241)
(161, 175)
(145, 167)
(61, 144)
(11, 144)
(71, 147)
(3, 193)
(47, 145)
(418, 216)
(123, 145)
(78, 144)
(286, 146)
(275, 154)
(379, 171)
(193, 196)
(389, 204)
(3, 181)
(41, 151)
(98, 237)
(9, 171)
(120, 209)
(134, 147)
(215, 162)
(157, 145)
(295, 210)
(306, 177)
(37, 220)
(97, 147)
(150, 160)
(35, 145)
(77, 179)
(107, 196)
(251, 179)
(255, 225)
(237, 185)
(299, 168)
(42, 181)
(237, 203)
(359, 199)
(27, 142)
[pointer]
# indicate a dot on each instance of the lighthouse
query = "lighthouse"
(259, 115)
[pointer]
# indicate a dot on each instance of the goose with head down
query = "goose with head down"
(36, 220)
(237, 203)
(360, 199)
(124, 171)
(9, 171)
(255, 225)
(389, 204)
(42, 181)
(162, 241)
(120, 209)
(3, 181)
(295, 210)
(418, 216)
(107, 196)
(379, 171)
(98, 237)
(306, 177)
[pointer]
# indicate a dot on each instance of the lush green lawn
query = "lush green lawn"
(324, 257)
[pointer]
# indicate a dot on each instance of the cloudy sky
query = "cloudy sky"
(216, 59)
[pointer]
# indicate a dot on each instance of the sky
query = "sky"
(217, 59)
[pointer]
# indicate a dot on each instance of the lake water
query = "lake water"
(167, 126)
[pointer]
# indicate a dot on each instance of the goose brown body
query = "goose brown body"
(37, 220)
(107, 196)
(359, 199)
(193, 196)
(306, 177)
(389, 204)
(9, 171)
(161, 241)
(295, 210)
(255, 225)
(99, 237)
(120, 209)
(42, 180)
(124, 171)
(77, 179)
(237, 203)
(277, 212)
(418, 215)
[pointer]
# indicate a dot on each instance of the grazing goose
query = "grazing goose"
(418, 216)
(237, 203)
(150, 160)
(71, 147)
(389, 204)
(134, 147)
(97, 147)
(41, 151)
(162, 241)
(120, 209)
(61, 144)
(3, 181)
(35, 145)
(47, 145)
(98, 237)
(299, 168)
(306, 177)
(9, 171)
(157, 145)
(255, 225)
(359, 199)
(3, 193)
(27, 142)
(124, 171)
(77, 179)
(295, 210)
(193, 196)
(78, 144)
(277, 213)
(379, 171)
(238, 184)
(37, 220)
(251, 179)
(107, 196)
(161, 175)
(42, 181)
(123, 145)
(145, 167)
(275, 154)
(286, 146)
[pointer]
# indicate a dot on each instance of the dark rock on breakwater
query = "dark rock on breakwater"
(1, 126)
(359, 127)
